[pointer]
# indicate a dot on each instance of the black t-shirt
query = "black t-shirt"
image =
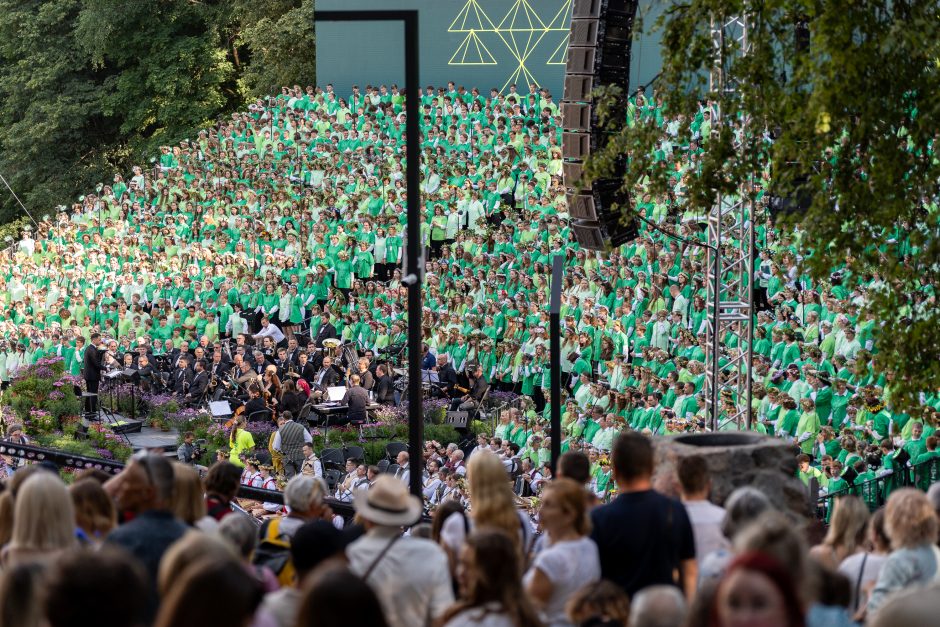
(642, 538)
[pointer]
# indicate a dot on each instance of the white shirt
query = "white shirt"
(487, 616)
(706, 519)
(412, 580)
(270, 331)
(569, 565)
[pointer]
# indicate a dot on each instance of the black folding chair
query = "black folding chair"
(354, 452)
(333, 458)
(392, 449)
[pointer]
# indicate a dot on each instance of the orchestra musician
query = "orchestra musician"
(255, 401)
(304, 369)
(356, 399)
(199, 384)
(182, 376)
(325, 332)
(472, 399)
(328, 376)
(365, 375)
(446, 377)
(384, 390)
(145, 373)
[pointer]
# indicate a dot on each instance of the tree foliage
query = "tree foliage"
(89, 87)
(851, 120)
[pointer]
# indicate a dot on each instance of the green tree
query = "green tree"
(854, 116)
(54, 137)
(90, 87)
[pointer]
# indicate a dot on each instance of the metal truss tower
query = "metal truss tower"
(730, 261)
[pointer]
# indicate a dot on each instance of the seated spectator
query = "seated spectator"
(192, 599)
(336, 597)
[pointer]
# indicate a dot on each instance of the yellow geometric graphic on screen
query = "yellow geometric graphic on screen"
(521, 30)
(472, 51)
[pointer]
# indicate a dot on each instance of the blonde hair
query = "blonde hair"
(493, 503)
(94, 509)
(571, 499)
(190, 502)
(43, 517)
(847, 527)
(909, 519)
(191, 548)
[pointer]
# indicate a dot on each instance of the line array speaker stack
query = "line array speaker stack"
(598, 54)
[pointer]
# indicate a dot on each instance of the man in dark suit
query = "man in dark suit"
(327, 376)
(255, 402)
(384, 386)
(357, 399)
(304, 369)
(472, 399)
(446, 377)
(92, 365)
(182, 376)
(199, 384)
(326, 331)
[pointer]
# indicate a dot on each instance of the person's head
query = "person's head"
(22, 588)
(315, 543)
(774, 534)
(94, 509)
(909, 519)
(694, 480)
(44, 517)
(493, 499)
(192, 547)
(657, 606)
(189, 503)
(916, 606)
(146, 483)
(757, 590)
(192, 599)
(601, 603)
(304, 496)
(335, 597)
(632, 455)
(387, 503)
(489, 572)
(223, 480)
(847, 525)
(743, 506)
(574, 465)
(241, 533)
(81, 580)
(564, 508)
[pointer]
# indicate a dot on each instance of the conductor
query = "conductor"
(92, 366)
(357, 399)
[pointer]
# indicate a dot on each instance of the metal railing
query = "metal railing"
(63, 459)
(875, 492)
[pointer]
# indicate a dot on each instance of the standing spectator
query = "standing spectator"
(193, 598)
(490, 593)
(914, 561)
(644, 537)
(657, 606)
(862, 568)
(570, 559)
(144, 490)
(845, 535)
(43, 521)
(705, 516)
(409, 575)
(757, 590)
(337, 597)
(81, 580)
(494, 505)
(222, 483)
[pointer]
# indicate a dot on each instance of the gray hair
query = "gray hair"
(303, 492)
(238, 530)
(657, 606)
(743, 506)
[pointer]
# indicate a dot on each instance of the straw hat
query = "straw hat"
(387, 503)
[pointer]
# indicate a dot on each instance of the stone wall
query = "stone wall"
(735, 460)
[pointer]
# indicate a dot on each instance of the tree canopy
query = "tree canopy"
(87, 87)
(843, 113)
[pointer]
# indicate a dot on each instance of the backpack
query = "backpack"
(274, 552)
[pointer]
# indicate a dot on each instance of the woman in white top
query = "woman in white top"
(571, 559)
(490, 592)
(492, 504)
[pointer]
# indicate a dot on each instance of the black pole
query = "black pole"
(554, 352)
(413, 212)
